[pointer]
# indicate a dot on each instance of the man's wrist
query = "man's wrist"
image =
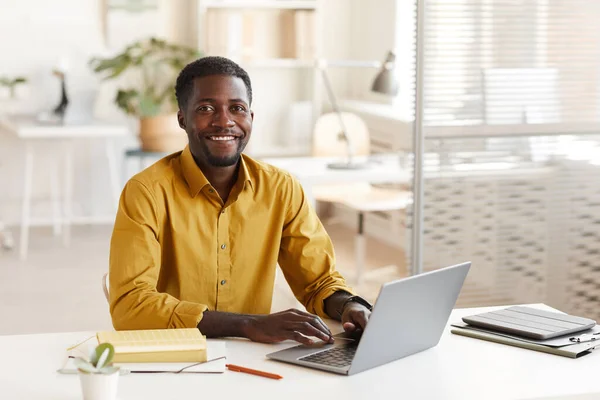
(355, 300)
(335, 303)
(246, 325)
(222, 324)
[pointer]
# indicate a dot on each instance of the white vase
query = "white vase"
(99, 386)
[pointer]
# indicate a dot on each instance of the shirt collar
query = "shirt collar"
(195, 178)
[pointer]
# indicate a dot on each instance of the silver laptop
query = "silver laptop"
(409, 316)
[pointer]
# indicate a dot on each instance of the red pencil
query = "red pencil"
(237, 368)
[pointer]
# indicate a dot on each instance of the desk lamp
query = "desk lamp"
(385, 82)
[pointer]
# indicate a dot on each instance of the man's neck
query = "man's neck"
(221, 178)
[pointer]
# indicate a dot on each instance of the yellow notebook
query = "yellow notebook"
(156, 345)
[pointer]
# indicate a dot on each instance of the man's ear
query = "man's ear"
(181, 119)
(252, 115)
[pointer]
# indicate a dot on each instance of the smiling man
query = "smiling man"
(198, 235)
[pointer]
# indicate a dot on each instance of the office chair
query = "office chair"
(6, 239)
(105, 285)
(360, 197)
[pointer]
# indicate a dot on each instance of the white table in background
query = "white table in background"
(459, 368)
(33, 132)
(312, 171)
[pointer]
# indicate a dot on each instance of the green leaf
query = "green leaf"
(153, 62)
(104, 354)
(109, 370)
(84, 366)
(125, 100)
(148, 106)
(102, 360)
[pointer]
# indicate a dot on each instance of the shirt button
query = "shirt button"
(222, 211)
(223, 282)
(210, 191)
(223, 246)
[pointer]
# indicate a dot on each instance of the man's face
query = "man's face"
(217, 119)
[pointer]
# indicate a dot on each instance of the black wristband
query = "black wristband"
(356, 299)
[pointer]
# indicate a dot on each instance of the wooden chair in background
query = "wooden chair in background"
(362, 198)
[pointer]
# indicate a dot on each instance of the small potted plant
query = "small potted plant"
(151, 67)
(11, 105)
(98, 377)
(12, 83)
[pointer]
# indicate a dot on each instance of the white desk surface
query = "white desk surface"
(27, 127)
(314, 170)
(458, 368)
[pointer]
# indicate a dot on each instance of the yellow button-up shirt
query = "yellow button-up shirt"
(177, 250)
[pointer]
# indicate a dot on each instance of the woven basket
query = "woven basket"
(162, 134)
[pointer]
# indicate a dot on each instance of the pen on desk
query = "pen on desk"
(237, 368)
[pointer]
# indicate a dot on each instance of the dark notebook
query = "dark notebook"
(530, 322)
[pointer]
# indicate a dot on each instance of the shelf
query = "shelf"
(269, 4)
(278, 63)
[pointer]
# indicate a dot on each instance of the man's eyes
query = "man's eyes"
(211, 108)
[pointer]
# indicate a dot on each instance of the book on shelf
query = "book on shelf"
(251, 35)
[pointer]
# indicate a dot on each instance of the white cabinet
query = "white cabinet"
(278, 42)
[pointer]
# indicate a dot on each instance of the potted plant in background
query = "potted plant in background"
(10, 105)
(99, 378)
(151, 66)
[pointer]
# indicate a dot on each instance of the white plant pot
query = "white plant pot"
(99, 386)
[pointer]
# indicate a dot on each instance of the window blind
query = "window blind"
(511, 116)
(511, 62)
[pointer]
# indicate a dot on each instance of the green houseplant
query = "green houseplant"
(11, 104)
(98, 377)
(11, 84)
(150, 67)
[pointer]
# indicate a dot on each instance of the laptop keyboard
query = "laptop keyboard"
(335, 357)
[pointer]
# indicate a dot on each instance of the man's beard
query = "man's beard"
(220, 161)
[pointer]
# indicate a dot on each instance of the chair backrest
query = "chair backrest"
(327, 141)
(105, 285)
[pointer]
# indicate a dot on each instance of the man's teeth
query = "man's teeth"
(221, 137)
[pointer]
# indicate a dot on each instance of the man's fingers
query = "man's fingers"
(319, 324)
(306, 328)
(360, 318)
(349, 326)
(300, 338)
(312, 319)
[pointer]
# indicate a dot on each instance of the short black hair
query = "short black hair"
(207, 66)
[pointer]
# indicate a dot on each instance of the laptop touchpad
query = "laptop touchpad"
(349, 336)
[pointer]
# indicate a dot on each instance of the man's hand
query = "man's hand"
(291, 324)
(355, 316)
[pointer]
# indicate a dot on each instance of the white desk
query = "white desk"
(32, 132)
(314, 171)
(458, 368)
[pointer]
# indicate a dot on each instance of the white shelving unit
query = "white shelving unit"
(272, 4)
(278, 42)
(279, 63)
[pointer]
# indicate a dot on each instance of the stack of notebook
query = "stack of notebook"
(534, 329)
(156, 346)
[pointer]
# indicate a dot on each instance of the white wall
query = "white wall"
(372, 35)
(38, 34)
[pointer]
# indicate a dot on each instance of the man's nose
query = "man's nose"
(222, 119)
